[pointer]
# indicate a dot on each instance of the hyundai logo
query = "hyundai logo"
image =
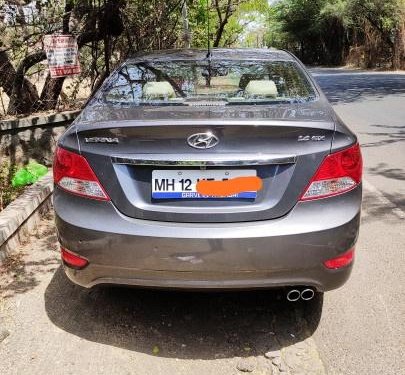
(203, 140)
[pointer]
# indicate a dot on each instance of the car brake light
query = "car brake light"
(340, 261)
(72, 173)
(73, 260)
(338, 173)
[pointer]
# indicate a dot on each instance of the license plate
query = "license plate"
(181, 184)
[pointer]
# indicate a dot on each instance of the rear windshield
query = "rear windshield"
(211, 82)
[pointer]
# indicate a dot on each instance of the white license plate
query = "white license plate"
(181, 184)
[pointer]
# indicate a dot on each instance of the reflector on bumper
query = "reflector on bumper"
(73, 260)
(340, 261)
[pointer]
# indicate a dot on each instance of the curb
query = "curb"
(21, 217)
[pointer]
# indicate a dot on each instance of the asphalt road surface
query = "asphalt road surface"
(48, 325)
(362, 330)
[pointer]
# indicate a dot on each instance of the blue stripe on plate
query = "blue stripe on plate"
(195, 195)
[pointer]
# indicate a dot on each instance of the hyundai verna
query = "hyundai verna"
(129, 172)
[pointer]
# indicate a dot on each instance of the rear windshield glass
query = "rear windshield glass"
(214, 82)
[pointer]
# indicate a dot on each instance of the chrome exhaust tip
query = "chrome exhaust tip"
(293, 295)
(307, 294)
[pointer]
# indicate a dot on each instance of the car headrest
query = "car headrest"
(158, 90)
(264, 88)
(247, 77)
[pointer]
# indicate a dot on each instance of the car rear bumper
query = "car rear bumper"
(263, 254)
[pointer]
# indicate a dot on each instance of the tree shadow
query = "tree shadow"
(37, 144)
(25, 275)
(383, 169)
(375, 210)
(393, 134)
(185, 325)
(341, 86)
(20, 275)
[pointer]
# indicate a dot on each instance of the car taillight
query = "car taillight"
(338, 173)
(72, 173)
(340, 261)
(73, 260)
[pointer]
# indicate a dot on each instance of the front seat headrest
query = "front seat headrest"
(265, 88)
(158, 90)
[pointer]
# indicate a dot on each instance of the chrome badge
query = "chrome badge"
(203, 140)
(101, 140)
(314, 138)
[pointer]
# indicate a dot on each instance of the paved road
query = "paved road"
(362, 330)
(373, 105)
(49, 325)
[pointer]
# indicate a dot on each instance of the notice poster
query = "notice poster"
(62, 55)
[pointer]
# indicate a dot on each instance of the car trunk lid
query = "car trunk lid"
(284, 153)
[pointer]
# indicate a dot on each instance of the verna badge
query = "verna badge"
(203, 140)
(101, 140)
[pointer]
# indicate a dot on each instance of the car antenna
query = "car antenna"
(208, 78)
(208, 32)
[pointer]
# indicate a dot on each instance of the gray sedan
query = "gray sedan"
(219, 170)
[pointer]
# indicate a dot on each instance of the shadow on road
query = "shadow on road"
(375, 210)
(20, 273)
(181, 324)
(384, 170)
(341, 86)
(389, 135)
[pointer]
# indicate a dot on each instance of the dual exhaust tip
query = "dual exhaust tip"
(306, 295)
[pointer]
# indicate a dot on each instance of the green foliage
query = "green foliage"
(198, 19)
(384, 15)
(243, 14)
(337, 9)
(108, 31)
(299, 17)
(323, 31)
(247, 25)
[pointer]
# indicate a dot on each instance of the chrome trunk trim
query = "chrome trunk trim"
(188, 160)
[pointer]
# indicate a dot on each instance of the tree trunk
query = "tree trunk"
(398, 50)
(53, 86)
(7, 73)
(219, 33)
(186, 27)
(27, 91)
(23, 95)
(23, 100)
(50, 93)
(223, 20)
(302, 50)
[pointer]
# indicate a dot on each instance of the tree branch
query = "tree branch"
(218, 9)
